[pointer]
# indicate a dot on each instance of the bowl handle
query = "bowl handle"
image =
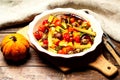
(104, 66)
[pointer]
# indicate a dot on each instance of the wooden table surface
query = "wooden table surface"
(36, 68)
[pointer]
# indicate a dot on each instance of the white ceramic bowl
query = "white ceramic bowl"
(39, 18)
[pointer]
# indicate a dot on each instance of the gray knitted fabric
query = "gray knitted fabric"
(19, 11)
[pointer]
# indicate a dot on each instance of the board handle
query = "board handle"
(104, 66)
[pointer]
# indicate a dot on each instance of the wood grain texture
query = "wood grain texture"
(36, 68)
(47, 73)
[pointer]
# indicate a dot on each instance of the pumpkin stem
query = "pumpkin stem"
(13, 38)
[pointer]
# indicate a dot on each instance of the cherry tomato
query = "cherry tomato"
(61, 51)
(65, 50)
(66, 37)
(45, 22)
(45, 41)
(69, 48)
(71, 39)
(70, 29)
(58, 23)
(57, 43)
(88, 24)
(64, 17)
(77, 39)
(42, 28)
(72, 20)
(79, 21)
(38, 34)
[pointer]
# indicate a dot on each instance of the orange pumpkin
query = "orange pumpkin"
(15, 47)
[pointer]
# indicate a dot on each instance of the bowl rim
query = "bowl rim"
(97, 40)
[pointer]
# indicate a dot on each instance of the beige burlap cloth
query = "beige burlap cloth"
(107, 12)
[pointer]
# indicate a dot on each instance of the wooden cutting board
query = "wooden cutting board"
(101, 63)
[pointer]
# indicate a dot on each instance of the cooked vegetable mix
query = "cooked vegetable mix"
(65, 34)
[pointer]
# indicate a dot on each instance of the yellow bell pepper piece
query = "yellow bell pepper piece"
(77, 45)
(50, 19)
(85, 31)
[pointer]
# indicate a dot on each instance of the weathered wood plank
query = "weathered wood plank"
(29, 73)
(48, 73)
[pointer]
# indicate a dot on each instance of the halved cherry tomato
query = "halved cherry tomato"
(70, 29)
(38, 34)
(69, 48)
(66, 37)
(77, 39)
(58, 23)
(42, 28)
(45, 22)
(71, 39)
(45, 41)
(65, 50)
(72, 20)
(57, 43)
(61, 51)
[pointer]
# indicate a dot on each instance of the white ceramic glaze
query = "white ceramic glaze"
(39, 18)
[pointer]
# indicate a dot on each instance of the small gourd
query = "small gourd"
(15, 47)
